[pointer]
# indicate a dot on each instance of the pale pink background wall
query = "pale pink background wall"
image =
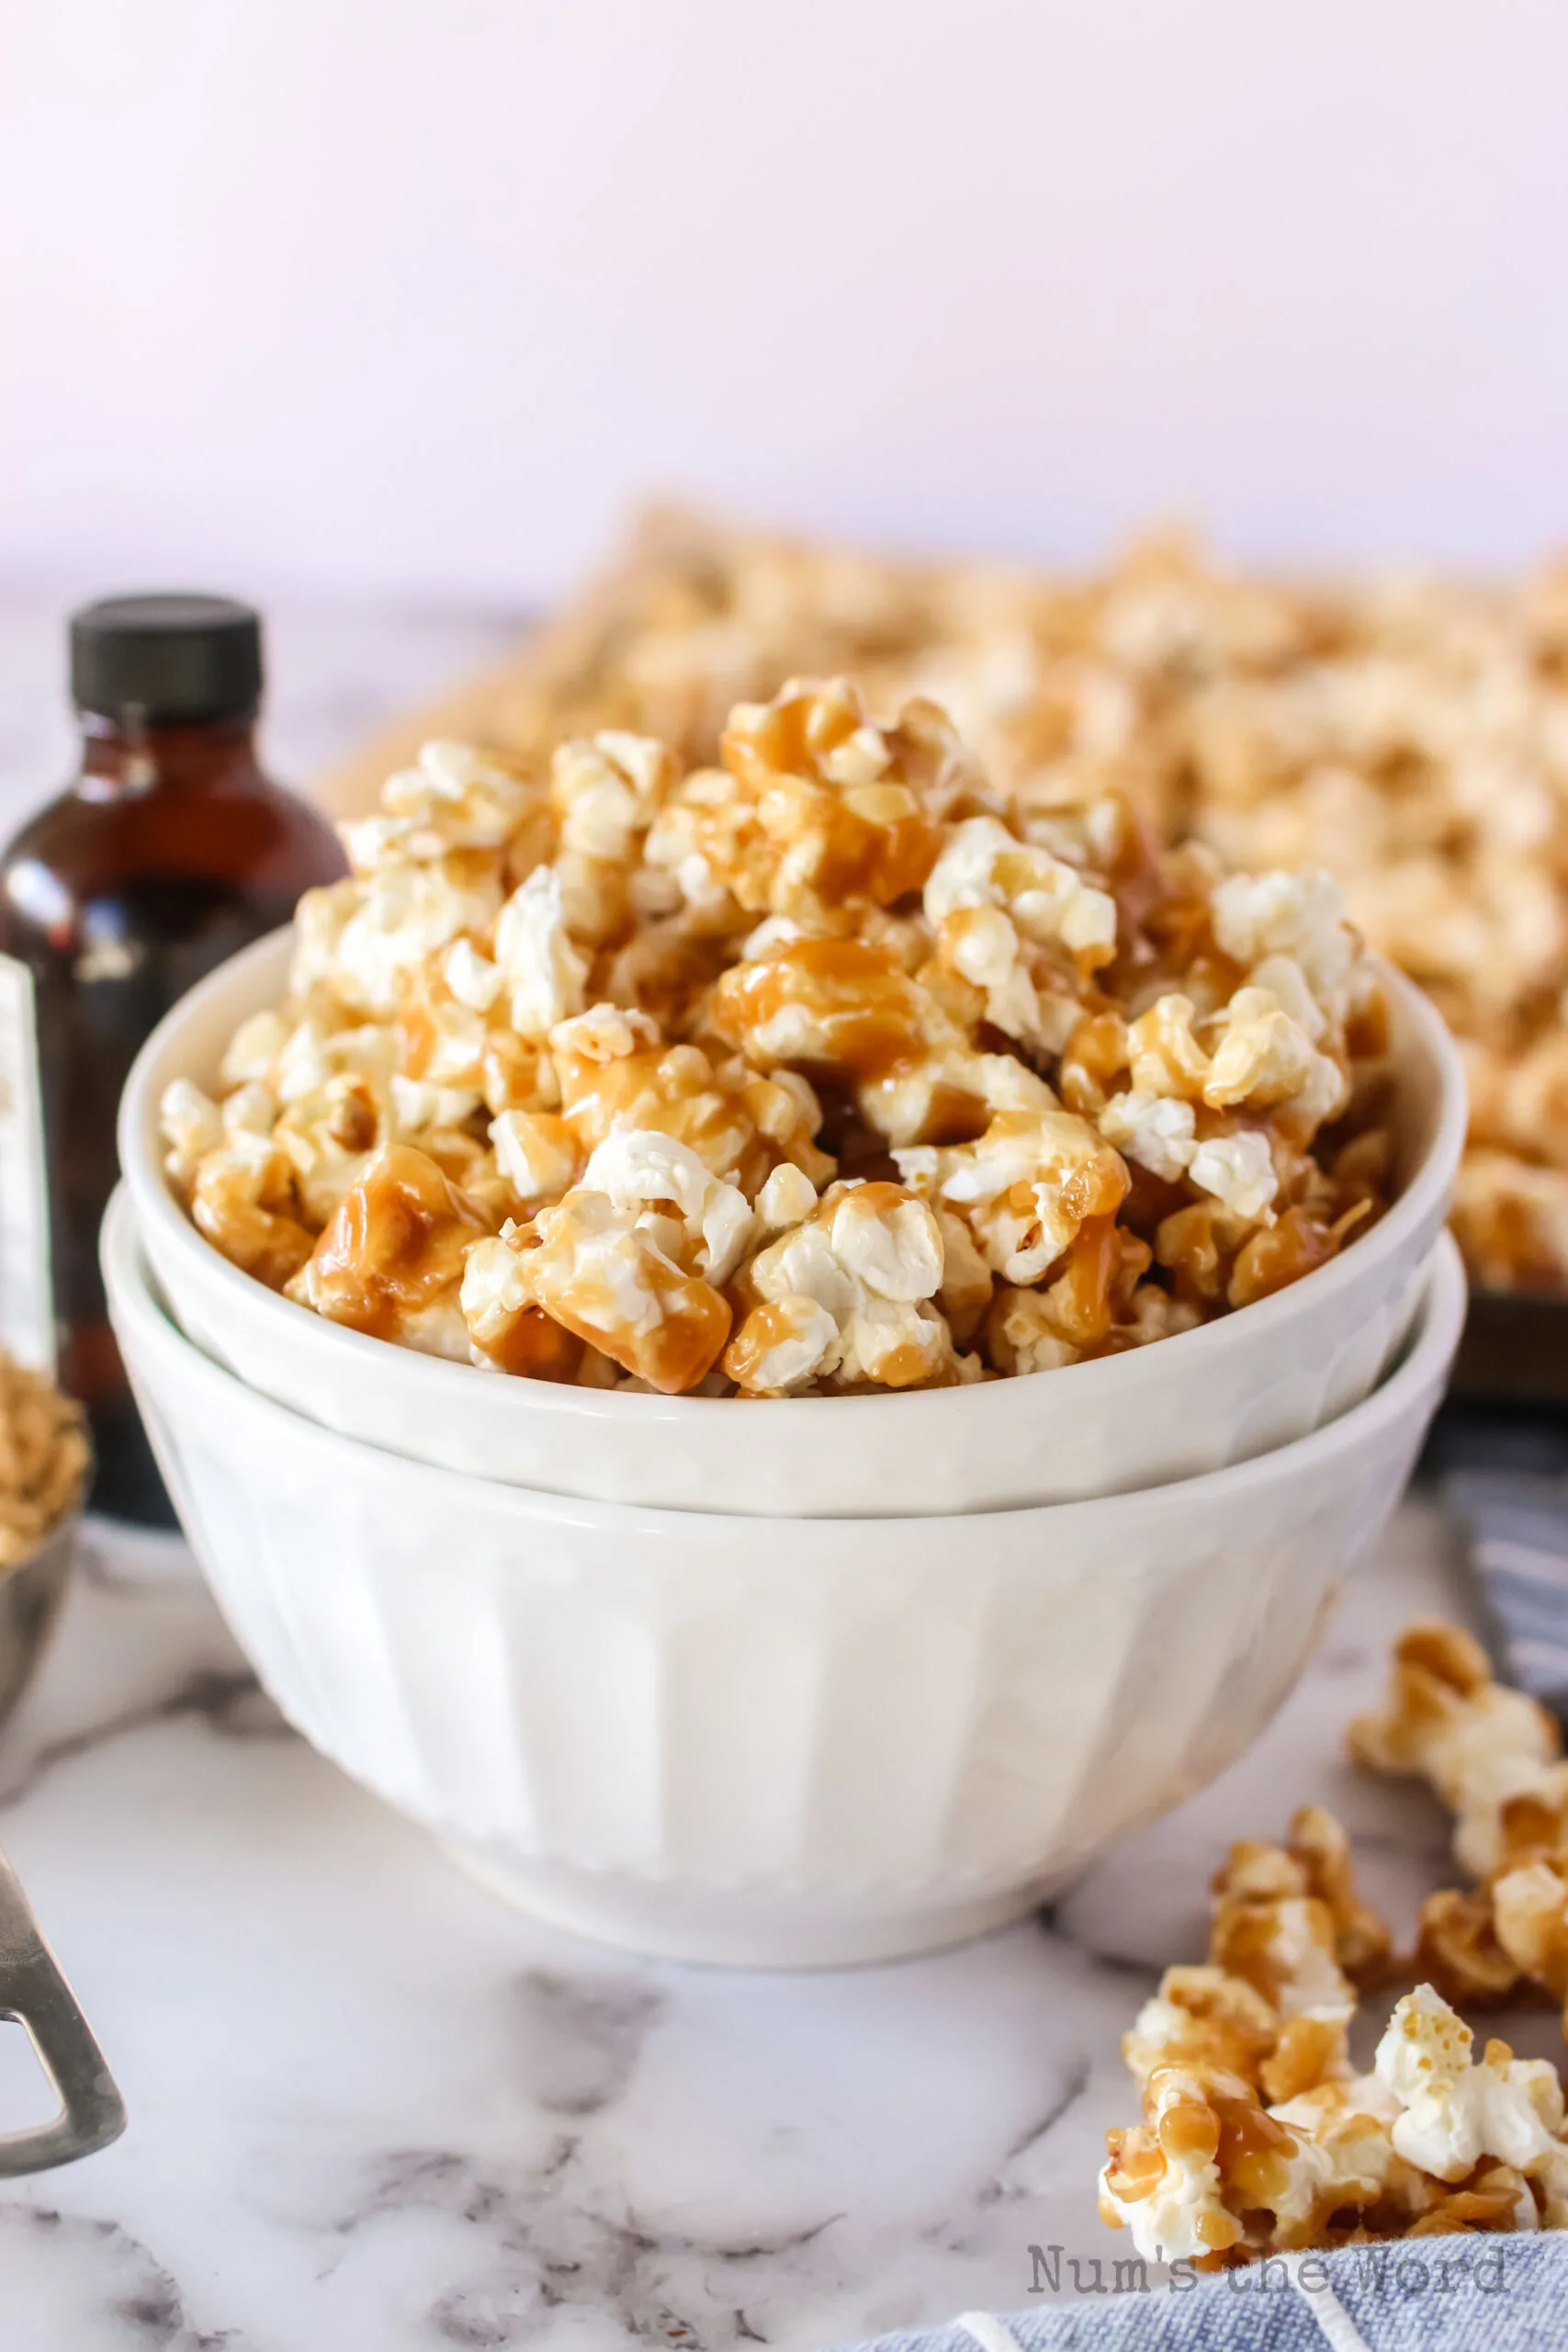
(412, 297)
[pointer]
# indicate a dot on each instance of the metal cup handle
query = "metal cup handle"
(34, 1993)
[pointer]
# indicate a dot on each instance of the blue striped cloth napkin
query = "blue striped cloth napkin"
(1449, 2294)
(1512, 1506)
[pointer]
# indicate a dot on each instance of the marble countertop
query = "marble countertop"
(374, 2111)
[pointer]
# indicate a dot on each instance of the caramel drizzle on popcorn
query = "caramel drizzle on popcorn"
(823, 1069)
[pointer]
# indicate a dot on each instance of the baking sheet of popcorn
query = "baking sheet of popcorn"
(1411, 736)
(823, 1069)
(44, 1460)
(1257, 2134)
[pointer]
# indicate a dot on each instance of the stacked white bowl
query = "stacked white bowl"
(798, 1682)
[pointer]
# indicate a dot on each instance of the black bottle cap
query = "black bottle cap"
(167, 660)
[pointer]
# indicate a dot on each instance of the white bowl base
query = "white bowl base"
(732, 1928)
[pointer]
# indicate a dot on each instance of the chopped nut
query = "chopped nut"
(44, 1460)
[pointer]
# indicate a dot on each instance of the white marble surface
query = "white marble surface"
(372, 2110)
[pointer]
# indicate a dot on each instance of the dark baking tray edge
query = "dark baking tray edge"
(1514, 1353)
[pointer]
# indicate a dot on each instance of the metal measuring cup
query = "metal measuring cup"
(32, 1990)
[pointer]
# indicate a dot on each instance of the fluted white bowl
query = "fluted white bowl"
(759, 1740)
(1233, 1389)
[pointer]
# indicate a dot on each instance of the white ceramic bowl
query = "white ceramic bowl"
(764, 1741)
(1221, 1394)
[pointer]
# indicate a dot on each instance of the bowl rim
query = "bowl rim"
(1438, 1320)
(141, 1166)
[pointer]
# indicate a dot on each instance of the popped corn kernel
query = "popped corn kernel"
(607, 790)
(637, 1169)
(812, 807)
(1163, 1055)
(1263, 1057)
(1025, 1189)
(601, 1273)
(1453, 2113)
(366, 939)
(538, 1152)
(191, 1126)
(1166, 2179)
(390, 1260)
(1485, 1750)
(242, 1198)
(869, 1256)
(1158, 1131)
(829, 1004)
(543, 969)
(788, 1197)
(455, 797)
(1301, 915)
(1238, 1169)
(984, 865)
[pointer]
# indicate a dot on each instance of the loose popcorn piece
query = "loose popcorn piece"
(709, 1014)
(1508, 1936)
(1243, 2151)
(1457, 1948)
(1204, 2142)
(1256, 2137)
(44, 1460)
(1283, 1914)
(1529, 1906)
(1289, 1941)
(1492, 1754)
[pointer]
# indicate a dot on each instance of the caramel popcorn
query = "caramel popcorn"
(1492, 1754)
(1494, 1757)
(819, 1069)
(1258, 2137)
(846, 1292)
(390, 1259)
(1255, 2130)
(44, 1460)
(1411, 737)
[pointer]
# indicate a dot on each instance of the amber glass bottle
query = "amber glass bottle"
(170, 850)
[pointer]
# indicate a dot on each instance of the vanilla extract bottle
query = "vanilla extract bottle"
(169, 850)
